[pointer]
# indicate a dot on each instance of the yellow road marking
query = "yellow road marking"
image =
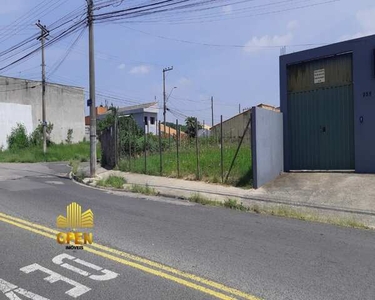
(160, 266)
(132, 264)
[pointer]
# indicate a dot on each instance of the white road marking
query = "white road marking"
(10, 291)
(6, 286)
(108, 275)
(59, 258)
(87, 264)
(75, 269)
(78, 290)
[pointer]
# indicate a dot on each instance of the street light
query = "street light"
(171, 92)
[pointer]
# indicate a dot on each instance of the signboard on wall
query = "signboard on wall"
(319, 76)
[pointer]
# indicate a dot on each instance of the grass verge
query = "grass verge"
(58, 152)
(280, 211)
(112, 181)
(142, 189)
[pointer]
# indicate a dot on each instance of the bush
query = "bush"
(36, 137)
(69, 136)
(18, 138)
(112, 181)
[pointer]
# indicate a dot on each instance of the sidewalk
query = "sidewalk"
(342, 195)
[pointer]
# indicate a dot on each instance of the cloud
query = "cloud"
(142, 69)
(292, 25)
(257, 43)
(365, 19)
(183, 82)
(227, 9)
(121, 66)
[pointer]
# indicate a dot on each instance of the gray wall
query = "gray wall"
(234, 127)
(267, 145)
(364, 104)
(64, 105)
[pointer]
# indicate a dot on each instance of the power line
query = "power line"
(64, 57)
(216, 45)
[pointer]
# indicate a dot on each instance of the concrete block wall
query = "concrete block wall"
(267, 145)
(64, 106)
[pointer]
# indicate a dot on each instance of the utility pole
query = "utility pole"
(212, 111)
(165, 96)
(43, 35)
(239, 108)
(92, 104)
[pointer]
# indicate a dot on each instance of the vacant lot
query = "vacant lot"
(209, 163)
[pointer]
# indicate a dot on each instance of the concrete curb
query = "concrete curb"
(367, 217)
(267, 200)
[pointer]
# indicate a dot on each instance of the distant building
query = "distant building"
(234, 127)
(145, 115)
(21, 102)
(100, 110)
(167, 130)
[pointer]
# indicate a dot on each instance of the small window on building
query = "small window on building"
(146, 122)
(152, 120)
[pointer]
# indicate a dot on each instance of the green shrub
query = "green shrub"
(143, 189)
(18, 138)
(36, 137)
(112, 181)
(69, 136)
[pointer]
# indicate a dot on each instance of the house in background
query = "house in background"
(100, 110)
(21, 102)
(145, 115)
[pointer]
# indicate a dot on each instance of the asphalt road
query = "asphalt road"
(156, 248)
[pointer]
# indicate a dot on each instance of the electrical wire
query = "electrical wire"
(64, 57)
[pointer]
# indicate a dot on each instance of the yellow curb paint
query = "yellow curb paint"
(160, 266)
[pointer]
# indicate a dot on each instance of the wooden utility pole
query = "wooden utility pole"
(43, 35)
(165, 97)
(92, 104)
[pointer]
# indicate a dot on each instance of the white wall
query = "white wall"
(10, 115)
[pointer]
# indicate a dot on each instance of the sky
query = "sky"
(243, 71)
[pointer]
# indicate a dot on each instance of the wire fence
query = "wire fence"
(199, 155)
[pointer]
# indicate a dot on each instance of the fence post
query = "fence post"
(129, 141)
(221, 149)
(145, 149)
(197, 147)
(177, 144)
(116, 140)
(169, 129)
(160, 153)
(238, 149)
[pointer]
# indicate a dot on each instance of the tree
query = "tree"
(109, 119)
(190, 126)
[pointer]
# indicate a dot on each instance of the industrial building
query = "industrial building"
(21, 102)
(327, 98)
